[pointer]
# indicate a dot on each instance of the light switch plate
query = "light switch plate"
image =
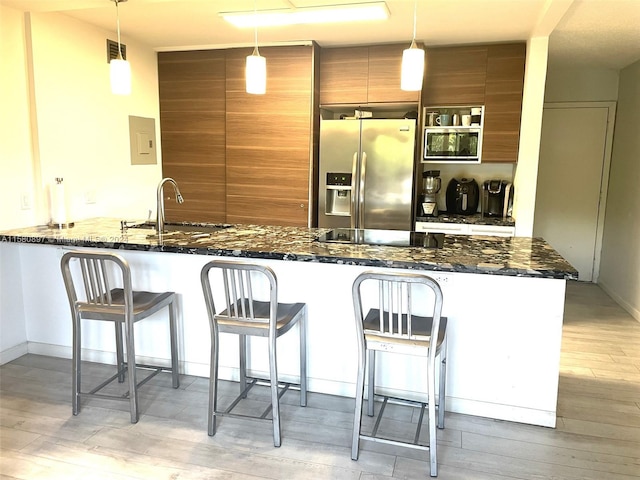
(142, 140)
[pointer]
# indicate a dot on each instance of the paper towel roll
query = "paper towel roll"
(58, 203)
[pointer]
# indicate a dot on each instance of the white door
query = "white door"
(575, 149)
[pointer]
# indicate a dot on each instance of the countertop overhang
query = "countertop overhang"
(510, 256)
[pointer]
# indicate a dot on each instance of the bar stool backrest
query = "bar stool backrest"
(390, 313)
(90, 288)
(239, 288)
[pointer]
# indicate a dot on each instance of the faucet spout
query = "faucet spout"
(160, 202)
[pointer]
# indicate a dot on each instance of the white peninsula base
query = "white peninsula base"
(504, 331)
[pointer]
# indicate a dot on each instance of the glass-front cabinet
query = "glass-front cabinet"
(452, 134)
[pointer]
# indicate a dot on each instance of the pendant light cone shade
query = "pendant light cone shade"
(412, 68)
(256, 74)
(120, 76)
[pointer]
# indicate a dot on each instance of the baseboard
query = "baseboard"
(12, 353)
(633, 311)
(329, 387)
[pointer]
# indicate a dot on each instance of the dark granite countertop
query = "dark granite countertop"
(475, 219)
(510, 256)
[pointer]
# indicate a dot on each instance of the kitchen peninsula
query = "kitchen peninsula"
(504, 298)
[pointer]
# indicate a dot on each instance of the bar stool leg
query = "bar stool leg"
(175, 377)
(303, 358)
(432, 420)
(75, 388)
(119, 351)
(131, 368)
(372, 381)
(442, 393)
(213, 383)
(242, 339)
(275, 402)
(357, 420)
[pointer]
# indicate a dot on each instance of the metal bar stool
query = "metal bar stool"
(87, 279)
(390, 326)
(246, 316)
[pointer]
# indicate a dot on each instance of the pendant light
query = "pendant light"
(412, 61)
(120, 70)
(256, 67)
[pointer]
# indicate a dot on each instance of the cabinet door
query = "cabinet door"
(192, 130)
(343, 75)
(455, 76)
(503, 102)
(269, 140)
(385, 63)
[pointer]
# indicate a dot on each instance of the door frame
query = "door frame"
(606, 167)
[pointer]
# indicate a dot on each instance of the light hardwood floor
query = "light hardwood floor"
(597, 436)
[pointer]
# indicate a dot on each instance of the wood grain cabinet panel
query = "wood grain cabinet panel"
(344, 74)
(192, 130)
(455, 76)
(269, 138)
(363, 75)
(503, 102)
(385, 64)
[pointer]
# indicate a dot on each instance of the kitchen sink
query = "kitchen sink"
(192, 230)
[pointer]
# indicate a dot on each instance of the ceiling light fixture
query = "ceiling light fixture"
(412, 61)
(354, 12)
(120, 70)
(256, 67)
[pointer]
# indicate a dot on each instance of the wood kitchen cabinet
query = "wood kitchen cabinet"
(192, 131)
(363, 75)
(489, 75)
(239, 158)
(270, 140)
(455, 75)
(503, 102)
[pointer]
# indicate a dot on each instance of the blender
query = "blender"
(431, 184)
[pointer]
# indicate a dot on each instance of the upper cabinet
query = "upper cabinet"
(503, 102)
(363, 75)
(489, 75)
(455, 76)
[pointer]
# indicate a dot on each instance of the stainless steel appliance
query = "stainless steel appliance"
(462, 196)
(431, 183)
(366, 173)
(497, 198)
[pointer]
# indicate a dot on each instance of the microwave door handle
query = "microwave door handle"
(363, 170)
(354, 190)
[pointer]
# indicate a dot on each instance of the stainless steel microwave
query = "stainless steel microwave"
(452, 144)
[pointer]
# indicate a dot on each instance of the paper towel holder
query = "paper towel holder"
(61, 221)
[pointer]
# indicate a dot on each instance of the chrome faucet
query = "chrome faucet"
(160, 202)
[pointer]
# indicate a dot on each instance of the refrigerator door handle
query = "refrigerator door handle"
(363, 170)
(354, 191)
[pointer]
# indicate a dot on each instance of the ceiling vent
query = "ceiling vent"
(112, 50)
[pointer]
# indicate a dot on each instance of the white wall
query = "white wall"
(59, 118)
(525, 179)
(15, 137)
(581, 84)
(620, 261)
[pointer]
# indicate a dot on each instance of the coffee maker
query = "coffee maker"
(497, 198)
(431, 183)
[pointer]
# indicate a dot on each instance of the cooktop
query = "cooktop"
(393, 238)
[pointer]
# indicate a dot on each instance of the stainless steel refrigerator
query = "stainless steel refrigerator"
(366, 173)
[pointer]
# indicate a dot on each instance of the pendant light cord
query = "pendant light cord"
(415, 16)
(255, 28)
(118, 28)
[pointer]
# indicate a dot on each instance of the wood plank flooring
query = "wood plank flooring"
(597, 437)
